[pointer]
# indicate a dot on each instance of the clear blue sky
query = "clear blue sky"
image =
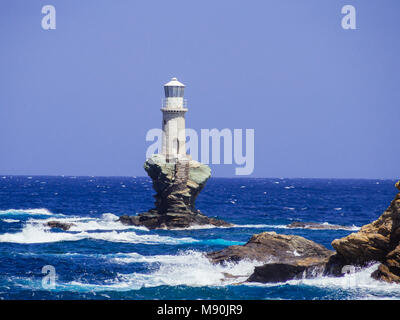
(78, 100)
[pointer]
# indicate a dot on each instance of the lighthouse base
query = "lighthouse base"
(153, 220)
(177, 185)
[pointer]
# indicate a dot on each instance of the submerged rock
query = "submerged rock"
(316, 226)
(59, 225)
(285, 256)
(177, 185)
(377, 241)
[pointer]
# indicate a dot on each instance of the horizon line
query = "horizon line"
(217, 177)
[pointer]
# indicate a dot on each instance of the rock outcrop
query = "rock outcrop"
(59, 225)
(177, 185)
(316, 226)
(378, 241)
(286, 257)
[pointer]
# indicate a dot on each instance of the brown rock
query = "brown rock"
(177, 185)
(375, 240)
(59, 225)
(389, 270)
(384, 273)
(288, 270)
(286, 257)
(153, 220)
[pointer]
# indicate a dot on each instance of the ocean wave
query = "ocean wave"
(261, 226)
(38, 233)
(10, 220)
(359, 285)
(267, 226)
(336, 227)
(35, 231)
(192, 268)
(189, 268)
(33, 212)
(107, 221)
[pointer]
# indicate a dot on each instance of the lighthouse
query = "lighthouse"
(173, 122)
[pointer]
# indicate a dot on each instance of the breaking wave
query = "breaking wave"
(105, 228)
(18, 212)
(38, 233)
(189, 268)
(357, 285)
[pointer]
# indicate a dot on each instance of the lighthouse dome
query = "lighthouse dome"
(174, 83)
(174, 88)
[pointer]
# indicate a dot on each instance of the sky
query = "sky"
(79, 100)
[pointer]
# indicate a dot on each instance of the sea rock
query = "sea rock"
(285, 256)
(59, 225)
(170, 220)
(289, 270)
(316, 226)
(389, 270)
(177, 185)
(377, 241)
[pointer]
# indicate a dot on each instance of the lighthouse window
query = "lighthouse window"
(174, 91)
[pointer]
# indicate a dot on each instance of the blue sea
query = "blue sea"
(99, 258)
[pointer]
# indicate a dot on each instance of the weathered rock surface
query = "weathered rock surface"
(289, 270)
(170, 220)
(59, 225)
(377, 241)
(286, 257)
(177, 185)
(316, 226)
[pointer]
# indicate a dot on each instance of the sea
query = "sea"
(99, 258)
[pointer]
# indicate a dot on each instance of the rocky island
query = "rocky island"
(177, 185)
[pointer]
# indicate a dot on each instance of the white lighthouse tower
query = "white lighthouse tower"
(173, 123)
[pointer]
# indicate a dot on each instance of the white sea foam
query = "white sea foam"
(289, 208)
(107, 221)
(40, 211)
(10, 220)
(38, 233)
(105, 228)
(357, 285)
(190, 268)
